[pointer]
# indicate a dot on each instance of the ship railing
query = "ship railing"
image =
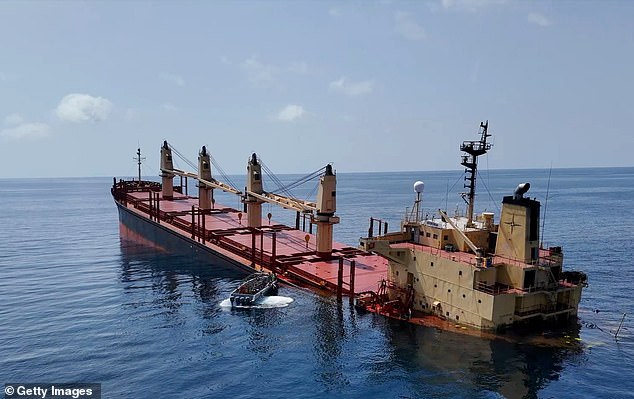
(540, 287)
(543, 309)
(492, 289)
(545, 261)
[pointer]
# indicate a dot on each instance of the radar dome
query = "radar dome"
(419, 186)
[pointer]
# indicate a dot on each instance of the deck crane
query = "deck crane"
(206, 183)
(322, 212)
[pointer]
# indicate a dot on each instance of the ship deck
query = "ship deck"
(470, 258)
(273, 247)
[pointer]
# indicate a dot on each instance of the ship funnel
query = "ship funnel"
(521, 190)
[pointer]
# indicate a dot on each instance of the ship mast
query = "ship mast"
(474, 149)
(139, 159)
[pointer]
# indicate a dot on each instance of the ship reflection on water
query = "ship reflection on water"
(337, 349)
(510, 369)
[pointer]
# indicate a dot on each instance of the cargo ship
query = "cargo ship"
(165, 215)
(470, 270)
(459, 272)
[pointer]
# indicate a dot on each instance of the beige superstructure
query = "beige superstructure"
(473, 271)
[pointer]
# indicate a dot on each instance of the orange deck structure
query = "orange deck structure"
(222, 231)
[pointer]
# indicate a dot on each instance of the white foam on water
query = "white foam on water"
(274, 301)
(266, 302)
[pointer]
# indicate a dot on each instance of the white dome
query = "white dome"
(419, 186)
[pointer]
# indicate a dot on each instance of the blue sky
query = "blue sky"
(369, 86)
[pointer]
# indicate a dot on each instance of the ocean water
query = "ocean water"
(80, 302)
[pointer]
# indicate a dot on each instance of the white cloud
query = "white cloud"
(538, 19)
(405, 26)
(290, 113)
(169, 107)
(469, 5)
(259, 73)
(225, 60)
(170, 77)
(82, 108)
(25, 131)
(13, 119)
(352, 88)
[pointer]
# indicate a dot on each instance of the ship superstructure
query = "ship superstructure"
(471, 270)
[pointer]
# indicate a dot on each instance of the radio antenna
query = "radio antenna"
(139, 160)
(541, 244)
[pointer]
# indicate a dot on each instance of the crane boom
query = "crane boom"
(214, 184)
(285, 202)
(471, 245)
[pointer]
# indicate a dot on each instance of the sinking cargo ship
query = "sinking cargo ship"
(470, 270)
(465, 271)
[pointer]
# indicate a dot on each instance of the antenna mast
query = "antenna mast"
(139, 160)
(474, 149)
(541, 244)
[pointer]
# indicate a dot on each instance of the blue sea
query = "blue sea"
(81, 302)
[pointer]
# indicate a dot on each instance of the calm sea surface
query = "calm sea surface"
(80, 302)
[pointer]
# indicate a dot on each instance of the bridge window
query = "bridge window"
(460, 273)
(529, 279)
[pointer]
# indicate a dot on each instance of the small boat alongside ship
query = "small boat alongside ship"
(253, 288)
